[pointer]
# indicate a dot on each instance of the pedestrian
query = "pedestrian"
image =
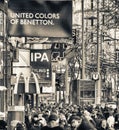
(103, 125)
(35, 123)
(81, 123)
(20, 126)
(87, 116)
(76, 122)
(3, 124)
(53, 123)
(42, 121)
(111, 120)
(116, 125)
(27, 122)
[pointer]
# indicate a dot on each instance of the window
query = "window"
(87, 94)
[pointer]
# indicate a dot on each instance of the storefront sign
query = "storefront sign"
(40, 60)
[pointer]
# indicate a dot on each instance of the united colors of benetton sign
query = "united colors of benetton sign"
(51, 18)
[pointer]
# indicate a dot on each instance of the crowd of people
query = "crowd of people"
(71, 117)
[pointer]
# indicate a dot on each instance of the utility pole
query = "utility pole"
(98, 59)
(83, 43)
(7, 59)
(6, 54)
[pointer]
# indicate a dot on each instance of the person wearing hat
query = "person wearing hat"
(35, 123)
(20, 126)
(81, 123)
(53, 123)
(75, 122)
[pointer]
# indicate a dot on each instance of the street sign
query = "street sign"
(95, 75)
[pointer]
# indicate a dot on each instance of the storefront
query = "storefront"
(83, 92)
(25, 90)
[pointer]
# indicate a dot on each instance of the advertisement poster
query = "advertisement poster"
(40, 61)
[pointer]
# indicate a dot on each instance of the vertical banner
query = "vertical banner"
(1, 23)
(1, 66)
(40, 61)
(51, 18)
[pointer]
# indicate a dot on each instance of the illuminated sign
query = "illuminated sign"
(40, 61)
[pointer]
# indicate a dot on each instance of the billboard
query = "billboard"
(50, 18)
(40, 61)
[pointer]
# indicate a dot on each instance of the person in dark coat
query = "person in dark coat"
(53, 123)
(75, 122)
(116, 125)
(103, 125)
(35, 123)
(27, 122)
(20, 126)
(81, 123)
(3, 124)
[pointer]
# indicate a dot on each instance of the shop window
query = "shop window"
(87, 94)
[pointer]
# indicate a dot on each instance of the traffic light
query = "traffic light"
(60, 79)
(57, 84)
(15, 54)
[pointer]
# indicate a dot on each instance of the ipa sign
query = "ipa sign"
(50, 18)
(40, 61)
